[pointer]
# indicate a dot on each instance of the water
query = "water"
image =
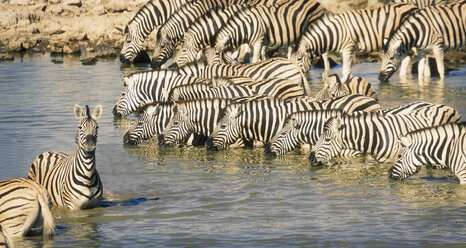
(190, 197)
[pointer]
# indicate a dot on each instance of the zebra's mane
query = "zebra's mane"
(146, 6)
(201, 99)
(88, 112)
(460, 124)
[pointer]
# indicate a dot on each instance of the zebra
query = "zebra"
(354, 85)
(441, 146)
(274, 25)
(362, 30)
(24, 209)
(193, 116)
(270, 68)
(72, 181)
(198, 36)
(149, 17)
(152, 121)
(305, 127)
(260, 119)
(375, 133)
(170, 33)
(148, 86)
(437, 28)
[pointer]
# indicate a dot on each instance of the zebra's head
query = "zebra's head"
(332, 85)
(228, 129)
(189, 51)
(128, 101)
(393, 54)
(132, 47)
(329, 143)
(303, 54)
(164, 48)
(286, 139)
(179, 128)
(87, 127)
(144, 128)
(408, 163)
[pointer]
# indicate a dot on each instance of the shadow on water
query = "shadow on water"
(126, 203)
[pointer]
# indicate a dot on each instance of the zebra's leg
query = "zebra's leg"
(439, 60)
(290, 51)
(326, 65)
(256, 51)
(421, 64)
(263, 53)
(404, 66)
(346, 71)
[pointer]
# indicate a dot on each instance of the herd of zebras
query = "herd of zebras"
(207, 98)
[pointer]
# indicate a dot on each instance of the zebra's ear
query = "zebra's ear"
(405, 141)
(78, 111)
(127, 82)
(97, 112)
(294, 122)
(384, 41)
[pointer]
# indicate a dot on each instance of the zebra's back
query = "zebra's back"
(24, 208)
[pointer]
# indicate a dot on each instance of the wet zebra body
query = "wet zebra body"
(260, 119)
(441, 146)
(346, 32)
(305, 127)
(149, 86)
(72, 180)
(355, 85)
(274, 25)
(436, 28)
(24, 209)
(148, 18)
(375, 133)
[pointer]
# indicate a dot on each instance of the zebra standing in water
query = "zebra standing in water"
(441, 146)
(305, 127)
(149, 86)
(200, 33)
(334, 87)
(72, 180)
(438, 28)
(352, 30)
(152, 120)
(24, 209)
(260, 118)
(274, 25)
(173, 30)
(375, 133)
(149, 17)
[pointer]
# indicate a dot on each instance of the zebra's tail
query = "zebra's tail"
(48, 224)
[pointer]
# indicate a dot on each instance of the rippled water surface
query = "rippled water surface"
(190, 197)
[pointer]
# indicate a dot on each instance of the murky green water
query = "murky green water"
(190, 197)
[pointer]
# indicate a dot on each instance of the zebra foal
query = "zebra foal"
(442, 146)
(24, 209)
(355, 85)
(72, 181)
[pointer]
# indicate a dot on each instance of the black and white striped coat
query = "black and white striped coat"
(5, 241)
(72, 180)
(24, 209)
(375, 133)
(436, 28)
(346, 32)
(355, 85)
(274, 25)
(441, 146)
(260, 119)
(423, 3)
(149, 86)
(305, 127)
(149, 17)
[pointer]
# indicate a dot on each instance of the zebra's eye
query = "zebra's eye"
(223, 126)
(80, 127)
(176, 123)
(123, 94)
(308, 50)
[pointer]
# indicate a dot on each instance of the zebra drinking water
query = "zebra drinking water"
(24, 209)
(441, 146)
(72, 180)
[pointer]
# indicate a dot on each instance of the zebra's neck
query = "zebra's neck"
(85, 162)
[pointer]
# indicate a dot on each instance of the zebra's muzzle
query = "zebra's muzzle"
(313, 160)
(383, 76)
(155, 63)
(90, 142)
(268, 149)
(115, 112)
(127, 139)
(123, 59)
(209, 144)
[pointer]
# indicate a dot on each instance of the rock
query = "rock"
(57, 61)
(6, 57)
(22, 2)
(89, 61)
(77, 3)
